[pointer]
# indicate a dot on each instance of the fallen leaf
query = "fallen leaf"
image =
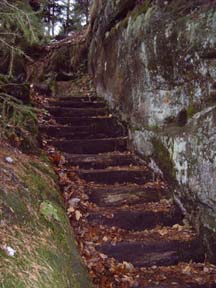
(78, 215)
(128, 266)
(74, 202)
(103, 256)
(187, 270)
(70, 210)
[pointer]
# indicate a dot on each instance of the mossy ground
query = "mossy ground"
(34, 223)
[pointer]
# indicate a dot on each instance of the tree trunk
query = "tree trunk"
(53, 19)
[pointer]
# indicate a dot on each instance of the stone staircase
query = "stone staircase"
(96, 144)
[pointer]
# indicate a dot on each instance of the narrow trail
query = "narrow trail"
(136, 226)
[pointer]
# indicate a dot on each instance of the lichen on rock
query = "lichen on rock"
(160, 77)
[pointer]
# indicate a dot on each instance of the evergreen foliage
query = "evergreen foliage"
(20, 29)
(18, 122)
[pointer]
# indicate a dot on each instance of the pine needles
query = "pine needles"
(19, 28)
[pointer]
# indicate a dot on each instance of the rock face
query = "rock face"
(155, 64)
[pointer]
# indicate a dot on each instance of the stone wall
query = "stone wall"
(156, 66)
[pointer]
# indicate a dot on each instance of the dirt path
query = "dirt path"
(129, 231)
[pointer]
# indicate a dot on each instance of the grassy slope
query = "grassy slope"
(34, 223)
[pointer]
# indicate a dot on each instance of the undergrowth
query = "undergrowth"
(18, 122)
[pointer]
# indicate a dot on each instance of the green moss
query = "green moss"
(17, 205)
(38, 183)
(45, 168)
(162, 156)
(141, 9)
(49, 211)
(191, 110)
(124, 22)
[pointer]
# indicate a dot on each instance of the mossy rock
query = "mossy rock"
(162, 156)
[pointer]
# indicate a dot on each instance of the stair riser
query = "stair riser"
(112, 177)
(83, 132)
(101, 164)
(73, 104)
(137, 221)
(163, 253)
(62, 112)
(178, 285)
(107, 199)
(79, 99)
(100, 123)
(90, 147)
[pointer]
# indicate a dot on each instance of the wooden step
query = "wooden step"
(182, 275)
(76, 132)
(137, 217)
(100, 161)
(78, 99)
(212, 95)
(91, 146)
(78, 104)
(112, 196)
(209, 55)
(156, 252)
(214, 85)
(108, 122)
(77, 112)
(111, 175)
(174, 284)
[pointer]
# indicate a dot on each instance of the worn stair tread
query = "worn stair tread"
(91, 146)
(150, 252)
(77, 104)
(97, 124)
(210, 55)
(175, 283)
(164, 205)
(137, 217)
(76, 112)
(111, 196)
(99, 161)
(182, 275)
(86, 120)
(77, 98)
(78, 132)
(117, 174)
(103, 234)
